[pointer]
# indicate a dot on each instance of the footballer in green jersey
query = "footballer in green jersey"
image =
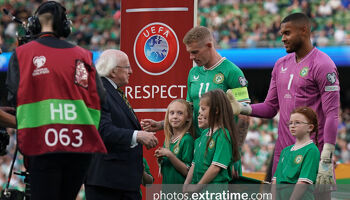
(224, 75)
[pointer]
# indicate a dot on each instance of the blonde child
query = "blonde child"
(217, 147)
(298, 163)
(177, 152)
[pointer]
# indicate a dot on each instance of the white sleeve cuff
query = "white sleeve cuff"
(219, 165)
(306, 180)
(133, 140)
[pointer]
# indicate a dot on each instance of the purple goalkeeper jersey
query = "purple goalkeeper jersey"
(312, 82)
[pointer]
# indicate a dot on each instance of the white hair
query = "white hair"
(108, 60)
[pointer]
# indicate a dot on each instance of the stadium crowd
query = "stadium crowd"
(235, 23)
(255, 23)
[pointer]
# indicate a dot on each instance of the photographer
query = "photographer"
(6, 119)
(58, 95)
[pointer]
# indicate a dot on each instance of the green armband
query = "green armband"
(240, 94)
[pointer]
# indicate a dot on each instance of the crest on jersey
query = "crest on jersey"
(243, 81)
(304, 71)
(176, 149)
(218, 78)
(211, 144)
(331, 77)
(298, 159)
(156, 48)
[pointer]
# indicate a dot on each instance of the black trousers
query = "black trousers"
(103, 193)
(57, 176)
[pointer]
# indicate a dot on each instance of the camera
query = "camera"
(8, 194)
(12, 194)
(23, 33)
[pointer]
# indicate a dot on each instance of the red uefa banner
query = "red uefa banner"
(151, 35)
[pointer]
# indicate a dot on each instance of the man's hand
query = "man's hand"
(6, 119)
(325, 169)
(147, 138)
(151, 125)
(238, 108)
(10, 110)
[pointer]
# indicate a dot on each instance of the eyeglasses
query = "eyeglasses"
(124, 67)
(297, 123)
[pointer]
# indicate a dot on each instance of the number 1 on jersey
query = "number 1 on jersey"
(290, 81)
(200, 89)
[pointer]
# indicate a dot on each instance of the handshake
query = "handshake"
(147, 138)
(150, 140)
(237, 107)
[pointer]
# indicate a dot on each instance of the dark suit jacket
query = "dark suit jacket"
(122, 167)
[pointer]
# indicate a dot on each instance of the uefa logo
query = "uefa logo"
(156, 48)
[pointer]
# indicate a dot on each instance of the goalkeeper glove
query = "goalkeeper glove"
(325, 169)
(238, 108)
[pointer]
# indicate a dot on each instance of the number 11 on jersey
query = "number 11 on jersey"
(206, 89)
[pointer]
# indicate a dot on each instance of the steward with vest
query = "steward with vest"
(58, 96)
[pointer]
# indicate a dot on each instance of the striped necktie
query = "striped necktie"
(121, 93)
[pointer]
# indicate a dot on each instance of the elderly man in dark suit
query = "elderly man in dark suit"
(118, 174)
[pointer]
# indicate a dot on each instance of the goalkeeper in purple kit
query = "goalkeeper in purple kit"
(304, 77)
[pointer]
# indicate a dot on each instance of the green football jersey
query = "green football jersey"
(298, 164)
(184, 152)
(219, 153)
(225, 75)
